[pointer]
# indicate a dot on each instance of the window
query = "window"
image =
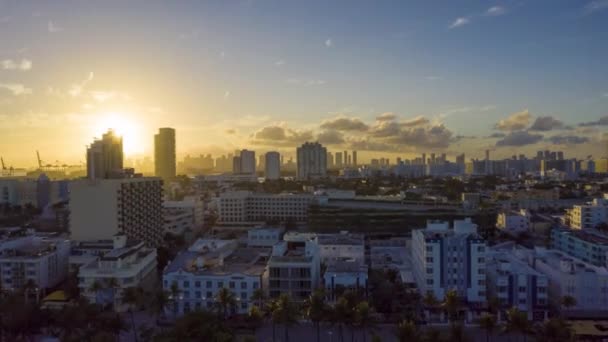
(231, 284)
(542, 289)
(429, 248)
(244, 306)
(209, 285)
(244, 295)
(481, 249)
(186, 294)
(186, 284)
(243, 285)
(255, 285)
(209, 295)
(429, 281)
(522, 289)
(197, 294)
(481, 260)
(220, 284)
(197, 284)
(429, 259)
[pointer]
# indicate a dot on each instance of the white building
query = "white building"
(516, 284)
(210, 265)
(450, 259)
(85, 252)
(342, 245)
(294, 267)
(102, 208)
(513, 222)
(190, 204)
(569, 276)
(272, 165)
(263, 237)
(245, 207)
(588, 216)
(38, 258)
(344, 274)
(128, 264)
(312, 161)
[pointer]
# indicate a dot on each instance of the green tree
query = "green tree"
(225, 300)
(132, 298)
(407, 331)
(517, 323)
(567, 302)
(197, 326)
(316, 310)
(451, 304)
(554, 330)
(259, 297)
(487, 322)
(286, 313)
(364, 318)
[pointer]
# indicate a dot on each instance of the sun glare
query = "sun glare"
(123, 124)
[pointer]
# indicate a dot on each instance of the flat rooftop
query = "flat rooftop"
(248, 261)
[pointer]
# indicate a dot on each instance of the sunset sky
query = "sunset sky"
(383, 77)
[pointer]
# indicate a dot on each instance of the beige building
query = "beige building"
(102, 208)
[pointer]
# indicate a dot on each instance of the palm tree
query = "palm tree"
(430, 301)
(286, 313)
(259, 297)
(316, 310)
(341, 314)
(451, 303)
(160, 300)
(174, 294)
(363, 317)
(407, 331)
(457, 332)
(517, 322)
(225, 300)
(567, 302)
(487, 322)
(28, 287)
(95, 288)
(131, 296)
(554, 330)
(271, 310)
(112, 284)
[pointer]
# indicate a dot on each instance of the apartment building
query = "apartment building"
(588, 216)
(41, 259)
(128, 264)
(130, 206)
(450, 259)
(513, 222)
(516, 284)
(294, 267)
(588, 245)
(264, 236)
(245, 207)
(210, 265)
(343, 245)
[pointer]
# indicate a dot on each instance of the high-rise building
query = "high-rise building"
(460, 159)
(330, 160)
(102, 208)
(236, 164)
(272, 165)
(105, 156)
(345, 158)
(355, 158)
(247, 162)
(164, 153)
(424, 158)
(339, 159)
(560, 155)
(312, 161)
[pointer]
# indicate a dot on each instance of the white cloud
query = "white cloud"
(279, 62)
(434, 78)
(77, 88)
(595, 6)
(329, 43)
(23, 65)
(16, 89)
(226, 95)
(496, 11)
(605, 95)
(459, 22)
(53, 28)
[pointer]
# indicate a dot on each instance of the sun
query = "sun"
(123, 124)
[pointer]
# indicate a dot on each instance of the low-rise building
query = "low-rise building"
(32, 258)
(128, 264)
(588, 216)
(294, 267)
(242, 207)
(588, 245)
(340, 246)
(264, 237)
(210, 265)
(343, 274)
(513, 222)
(516, 284)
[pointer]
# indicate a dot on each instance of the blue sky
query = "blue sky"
(225, 70)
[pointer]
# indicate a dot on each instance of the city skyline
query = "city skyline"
(512, 77)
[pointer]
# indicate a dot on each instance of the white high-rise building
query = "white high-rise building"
(312, 161)
(450, 259)
(272, 165)
(102, 208)
(247, 162)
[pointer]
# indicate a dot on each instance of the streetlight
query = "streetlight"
(331, 337)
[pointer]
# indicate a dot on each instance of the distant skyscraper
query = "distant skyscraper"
(330, 160)
(460, 159)
(272, 165)
(355, 158)
(105, 156)
(345, 158)
(312, 161)
(424, 158)
(339, 159)
(487, 154)
(244, 162)
(560, 155)
(164, 153)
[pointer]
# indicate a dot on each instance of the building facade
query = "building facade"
(244, 207)
(312, 161)
(272, 165)
(588, 245)
(294, 268)
(102, 208)
(105, 157)
(164, 153)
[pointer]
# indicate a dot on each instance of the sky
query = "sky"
(387, 78)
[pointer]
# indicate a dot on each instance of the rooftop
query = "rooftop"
(343, 238)
(248, 261)
(587, 235)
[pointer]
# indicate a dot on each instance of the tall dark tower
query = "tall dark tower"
(164, 153)
(105, 156)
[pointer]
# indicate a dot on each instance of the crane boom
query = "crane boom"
(39, 160)
(3, 166)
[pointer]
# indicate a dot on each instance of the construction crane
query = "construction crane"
(3, 166)
(39, 160)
